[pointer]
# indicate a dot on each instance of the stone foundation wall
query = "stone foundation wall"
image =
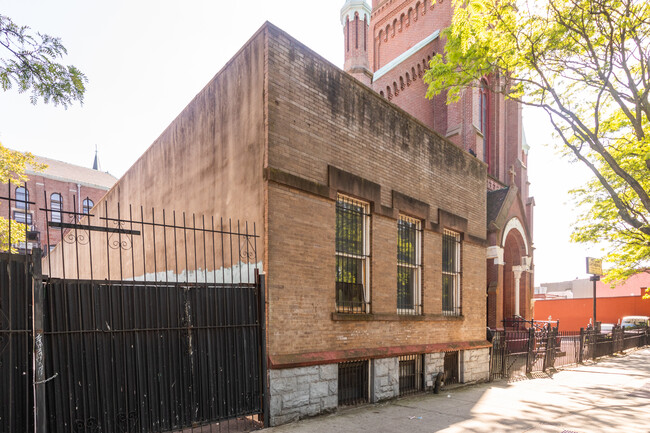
(385, 379)
(301, 392)
(307, 391)
(434, 363)
(475, 365)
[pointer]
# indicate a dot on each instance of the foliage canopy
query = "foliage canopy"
(586, 63)
(29, 61)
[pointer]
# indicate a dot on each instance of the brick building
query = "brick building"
(62, 184)
(388, 47)
(373, 226)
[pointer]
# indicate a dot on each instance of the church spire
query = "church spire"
(96, 165)
(355, 18)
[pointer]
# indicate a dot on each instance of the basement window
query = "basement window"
(411, 374)
(353, 382)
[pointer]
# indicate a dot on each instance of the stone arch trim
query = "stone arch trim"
(514, 224)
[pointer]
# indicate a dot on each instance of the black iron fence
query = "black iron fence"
(595, 344)
(138, 321)
(518, 351)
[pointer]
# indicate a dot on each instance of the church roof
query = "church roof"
(64, 171)
(495, 200)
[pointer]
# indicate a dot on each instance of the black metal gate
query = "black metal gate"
(16, 397)
(147, 324)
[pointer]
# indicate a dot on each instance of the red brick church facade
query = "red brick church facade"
(388, 47)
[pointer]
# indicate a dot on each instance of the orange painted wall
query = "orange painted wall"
(575, 313)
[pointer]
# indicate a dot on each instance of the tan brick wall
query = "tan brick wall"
(319, 116)
(301, 277)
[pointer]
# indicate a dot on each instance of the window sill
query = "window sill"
(394, 317)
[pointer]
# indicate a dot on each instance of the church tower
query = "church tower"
(388, 47)
(355, 19)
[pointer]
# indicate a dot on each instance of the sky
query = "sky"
(145, 60)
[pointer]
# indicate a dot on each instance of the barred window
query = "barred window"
(352, 253)
(451, 297)
(409, 265)
(56, 204)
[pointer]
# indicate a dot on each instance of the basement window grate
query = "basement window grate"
(411, 374)
(451, 368)
(353, 382)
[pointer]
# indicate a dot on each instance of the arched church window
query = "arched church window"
(484, 120)
(356, 30)
(87, 205)
(22, 197)
(347, 36)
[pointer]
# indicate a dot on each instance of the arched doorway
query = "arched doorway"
(515, 248)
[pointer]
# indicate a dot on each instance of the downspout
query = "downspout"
(79, 199)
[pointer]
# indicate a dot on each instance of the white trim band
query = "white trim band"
(405, 55)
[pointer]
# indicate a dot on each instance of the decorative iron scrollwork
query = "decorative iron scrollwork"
(79, 237)
(119, 240)
(127, 422)
(247, 248)
(90, 425)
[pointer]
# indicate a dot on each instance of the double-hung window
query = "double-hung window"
(409, 265)
(56, 204)
(451, 297)
(352, 255)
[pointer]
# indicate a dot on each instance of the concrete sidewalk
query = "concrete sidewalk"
(612, 395)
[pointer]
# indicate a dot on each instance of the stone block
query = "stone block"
(313, 409)
(318, 390)
(283, 385)
(330, 403)
(276, 405)
(295, 399)
(329, 372)
(284, 419)
(333, 386)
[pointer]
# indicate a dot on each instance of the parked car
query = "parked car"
(606, 328)
(635, 323)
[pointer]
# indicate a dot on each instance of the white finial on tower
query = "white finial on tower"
(351, 6)
(355, 18)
